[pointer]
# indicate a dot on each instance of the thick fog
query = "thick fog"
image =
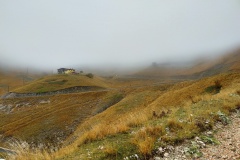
(60, 33)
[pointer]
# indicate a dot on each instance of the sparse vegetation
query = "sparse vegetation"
(223, 118)
(194, 150)
(209, 139)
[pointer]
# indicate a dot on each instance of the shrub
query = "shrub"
(89, 75)
(214, 89)
(218, 84)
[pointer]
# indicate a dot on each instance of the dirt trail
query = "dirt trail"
(229, 148)
(229, 138)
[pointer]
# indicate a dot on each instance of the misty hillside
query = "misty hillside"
(226, 63)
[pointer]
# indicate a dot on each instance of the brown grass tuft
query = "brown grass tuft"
(203, 124)
(174, 125)
(144, 139)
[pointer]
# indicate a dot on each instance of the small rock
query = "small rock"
(166, 154)
(183, 156)
(160, 150)
(225, 157)
(100, 147)
(201, 143)
(209, 133)
(157, 158)
(197, 139)
(233, 149)
(170, 148)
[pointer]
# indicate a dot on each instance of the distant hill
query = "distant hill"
(12, 80)
(57, 82)
(227, 63)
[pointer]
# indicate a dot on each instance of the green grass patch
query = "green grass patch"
(111, 147)
(59, 82)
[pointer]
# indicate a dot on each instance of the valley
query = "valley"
(74, 116)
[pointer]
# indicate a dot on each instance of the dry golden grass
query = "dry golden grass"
(134, 112)
(137, 114)
(144, 139)
(23, 151)
(61, 113)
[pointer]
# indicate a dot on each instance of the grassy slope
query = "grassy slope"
(54, 121)
(188, 102)
(56, 82)
(127, 127)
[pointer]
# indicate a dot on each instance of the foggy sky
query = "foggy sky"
(65, 33)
